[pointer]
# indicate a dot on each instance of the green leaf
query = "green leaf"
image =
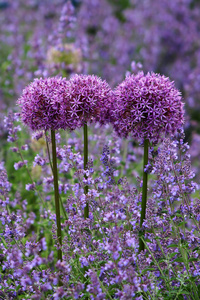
(181, 223)
(179, 259)
(193, 259)
(148, 241)
(172, 246)
(196, 248)
(147, 269)
(172, 254)
(161, 260)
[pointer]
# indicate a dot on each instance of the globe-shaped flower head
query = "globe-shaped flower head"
(43, 106)
(90, 98)
(147, 107)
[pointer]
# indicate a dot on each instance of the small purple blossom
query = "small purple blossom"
(9, 126)
(20, 164)
(37, 135)
(24, 147)
(147, 107)
(14, 149)
(83, 261)
(39, 161)
(59, 293)
(131, 242)
(5, 186)
(30, 186)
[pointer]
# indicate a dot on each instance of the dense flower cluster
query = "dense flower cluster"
(44, 105)
(102, 262)
(55, 103)
(90, 99)
(147, 106)
(109, 249)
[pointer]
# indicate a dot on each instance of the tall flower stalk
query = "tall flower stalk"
(85, 134)
(90, 99)
(56, 195)
(148, 107)
(144, 191)
(43, 107)
(61, 202)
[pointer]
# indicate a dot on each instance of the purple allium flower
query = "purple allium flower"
(147, 107)
(43, 106)
(90, 99)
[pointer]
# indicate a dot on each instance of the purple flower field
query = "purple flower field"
(99, 149)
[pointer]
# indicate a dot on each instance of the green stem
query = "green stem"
(144, 192)
(85, 134)
(61, 202)
(56, 194)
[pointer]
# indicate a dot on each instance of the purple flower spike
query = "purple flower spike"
(147, 107)
(90, 99)
(43, 105)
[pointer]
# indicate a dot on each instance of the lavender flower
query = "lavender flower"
(30, 186)
(20, 164)
(147, 107)
(39, 161)
(90, 99)
(43, 105)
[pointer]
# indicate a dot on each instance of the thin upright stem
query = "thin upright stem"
(61, 202)
(85, 134)
(144, 192)
(56, 194)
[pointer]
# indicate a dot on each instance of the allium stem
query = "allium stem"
(61, 202)
(85, 134)
(144, 191)
(56, 193)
